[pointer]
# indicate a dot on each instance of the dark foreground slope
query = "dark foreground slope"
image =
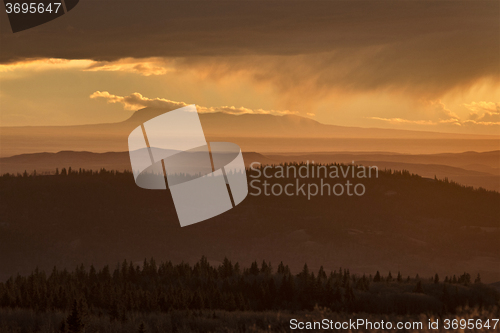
(403, 223)
(162, 297)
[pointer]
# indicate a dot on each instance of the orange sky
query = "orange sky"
(429, 66)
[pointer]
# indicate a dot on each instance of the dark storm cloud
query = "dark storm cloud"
(427, 45)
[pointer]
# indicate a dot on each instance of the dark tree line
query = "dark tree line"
(402, 174)
(165, 287)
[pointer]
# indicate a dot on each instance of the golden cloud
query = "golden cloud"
(487, 113)
(136, 101)
(45, 64)
(404, 121)
(146, 67)
(489, 117)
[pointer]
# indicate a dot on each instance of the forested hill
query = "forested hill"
(163, 287)
(402, 223)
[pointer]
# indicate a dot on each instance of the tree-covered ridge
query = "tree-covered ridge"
(89, 217)
(165, 287)
(323, 173)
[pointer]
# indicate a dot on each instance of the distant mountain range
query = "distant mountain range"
(289, 126)
(261, 133)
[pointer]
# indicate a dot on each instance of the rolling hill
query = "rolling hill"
(403, 223)
(469, 168)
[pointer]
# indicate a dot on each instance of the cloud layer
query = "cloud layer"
(136, 101)
(483, 113)
(146, 67)
(421, 47)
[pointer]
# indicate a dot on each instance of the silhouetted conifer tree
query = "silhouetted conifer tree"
(254, 268)
(74, 321)
(418, 288)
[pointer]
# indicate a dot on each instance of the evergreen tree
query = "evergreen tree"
(321, 274)
(418, 288)
(304, 275)
(349, 296)
(62, 327)
(115, 312)
(74, 321)
(254, 268)
(197, 301)
(281, 268)
(266, 268)
(226, 269)
(237, 269)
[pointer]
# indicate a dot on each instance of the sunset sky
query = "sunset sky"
(402, 64)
